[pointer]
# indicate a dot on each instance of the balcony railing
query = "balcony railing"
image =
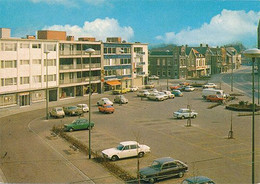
(80, 80)
(79, 66)
(77, 53)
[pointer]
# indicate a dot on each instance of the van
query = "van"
(211, 91)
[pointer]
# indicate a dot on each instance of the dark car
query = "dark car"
(78, 124)
(198, 180)
(162, 168)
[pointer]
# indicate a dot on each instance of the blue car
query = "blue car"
(177, 93)
(198, 180)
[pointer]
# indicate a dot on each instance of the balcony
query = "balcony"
(79, 80)
(79, 66)
(77, 53)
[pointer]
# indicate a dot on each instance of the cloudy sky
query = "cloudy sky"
(215, 22)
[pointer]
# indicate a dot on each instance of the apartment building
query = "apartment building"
(23, 70)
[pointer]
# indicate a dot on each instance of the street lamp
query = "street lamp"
(121, 51)
(89, 51)
(253, 53)
(47, 92)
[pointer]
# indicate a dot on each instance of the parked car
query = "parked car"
(162, 168)
(121, 99)
(185, 113)
(198, 180)
(84, 107)
(154, 91)
(57, 112)
(177, 93)
(119, 91)
(79, 124)
(209, 85)
(104, 101)
(133, 89)
(72, 111)
(184, 83)
(155, 96)
(106, 109)
(175, 87)
(126, 149)
(164, 95)
(149, 86)
(215, 98)
(170, 95)
(189, 88)
(143, 93)
(153, 77)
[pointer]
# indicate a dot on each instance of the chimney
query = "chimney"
(30, 37)
(5, 33)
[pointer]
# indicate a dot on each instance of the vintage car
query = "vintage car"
(121, 99)
(79, 124)
(177, 93)
(156, 97)
(209, 85)
(215, 98)
(84, 107)
(170, 95)
(162, 168)
(198, 180)
(119, 91)
(149, 86)
(126, 149)
(106, 109)
(185, 113)
(189, 88)
(104, 101)
(143, 93)
(57, 112)
(133, 89)
(153, 77)
(72, 110)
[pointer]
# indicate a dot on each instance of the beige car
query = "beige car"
(57, 112)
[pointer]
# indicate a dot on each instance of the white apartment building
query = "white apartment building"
(23, 71)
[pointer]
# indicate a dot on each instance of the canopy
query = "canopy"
(113, 83)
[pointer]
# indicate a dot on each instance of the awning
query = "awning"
(113, 83)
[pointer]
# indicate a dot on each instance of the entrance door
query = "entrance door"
(24, 100)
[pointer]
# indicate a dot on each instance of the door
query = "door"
(24, 100)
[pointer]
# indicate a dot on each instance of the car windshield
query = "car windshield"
(72, 107)
(108, 106)
(156, 164)
(59, 109)
(120, 147)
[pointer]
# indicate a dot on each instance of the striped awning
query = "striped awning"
(113, 83)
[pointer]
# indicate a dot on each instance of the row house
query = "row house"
(194, 62)
(58, 62)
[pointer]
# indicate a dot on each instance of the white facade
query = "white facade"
(23, 70)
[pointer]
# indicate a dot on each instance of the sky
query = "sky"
(181, 22)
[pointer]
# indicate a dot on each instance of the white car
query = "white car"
(169, 94)
(189, 88)
(143, 93)
(153, 77)
(126, 149)
(155, 96)
(104, 101)
(185, 113)
(84, 107)
(133, 89)
(154, 91)
(164, 95)
(209, 85)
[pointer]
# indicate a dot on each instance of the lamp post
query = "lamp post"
(121, 51)
(47, 91)
(253, 53)
(89, 51)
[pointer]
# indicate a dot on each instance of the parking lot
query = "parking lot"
(203, 146)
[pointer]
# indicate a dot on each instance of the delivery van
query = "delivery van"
(211, 91)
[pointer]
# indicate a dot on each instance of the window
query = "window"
(24, 80)
(138, 49)
(133, 146)
(24, 62)
(51, 62)
(126, 148)
(8, 81)
(61, 76)
(8, 46)
(158, 62)
(36, 61)
(24, 45)
(163, 62)
(36, 45)
(37, 79)
(164, 73)
(8, 64)
(50, 47)
(158, 73)
(126, 49)
(50, 78)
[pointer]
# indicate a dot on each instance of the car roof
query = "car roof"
(128, 143)
(164, 159)
(82, 104)
(198, 179)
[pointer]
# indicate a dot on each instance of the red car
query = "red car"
(106, 109)
(175, 87)
(215, 98)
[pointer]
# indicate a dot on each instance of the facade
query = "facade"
(163, 64)
(23, 71)
(25, 63)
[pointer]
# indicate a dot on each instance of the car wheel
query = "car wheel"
(152, 180)
(183, 117)
(181, 174)
(114, 158)
(141, 154)
(194, 116)
(71, 130)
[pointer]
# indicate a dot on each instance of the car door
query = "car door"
(166, 171)
(133, 150)
(125, 152)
